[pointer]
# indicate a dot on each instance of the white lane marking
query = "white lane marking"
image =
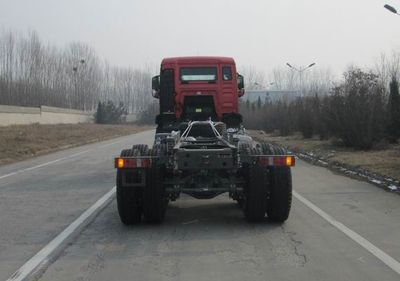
(381, 255)
(59, 159)
(115, 142)
(8, 175)
(44, 255)
(44, 164)
(109, 144)
(82, 152)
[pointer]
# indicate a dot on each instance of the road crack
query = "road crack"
(297, 244)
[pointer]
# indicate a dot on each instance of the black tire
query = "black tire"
(158, 150)
(128, 202)
(266, 148)
(269, 149)
(125, 152)
(129, 199)
(280, 198)
(140, 150)
(255, 200)
(244, 148)
(154, 201)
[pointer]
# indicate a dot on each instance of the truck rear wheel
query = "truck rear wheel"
(280, 198)
(128, 202)
(129, 199)
(140, 150)
(154, 201)
(255, 199)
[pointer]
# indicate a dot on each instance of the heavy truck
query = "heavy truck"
(202, 149)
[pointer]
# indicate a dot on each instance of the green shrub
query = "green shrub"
(108, 113)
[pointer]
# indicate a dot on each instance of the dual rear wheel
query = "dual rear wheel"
(137, 201)
(268, 191)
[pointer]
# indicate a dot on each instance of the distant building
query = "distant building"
(270, 95)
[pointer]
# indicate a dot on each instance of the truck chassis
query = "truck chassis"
(204, 160)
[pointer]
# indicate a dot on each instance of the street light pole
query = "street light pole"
(77, 83)
(300, 70)
(391, 9)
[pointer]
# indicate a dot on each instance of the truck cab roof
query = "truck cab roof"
(198, 60)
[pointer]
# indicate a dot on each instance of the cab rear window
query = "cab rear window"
(198, 74)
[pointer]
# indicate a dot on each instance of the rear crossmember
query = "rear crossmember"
(260, 160)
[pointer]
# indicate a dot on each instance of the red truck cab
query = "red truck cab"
(198, 88)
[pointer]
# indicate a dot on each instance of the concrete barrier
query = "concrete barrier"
(56, 115)
(131, 117)
(18, 115)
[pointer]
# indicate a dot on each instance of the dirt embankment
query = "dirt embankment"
(24, 141)
(379, 166)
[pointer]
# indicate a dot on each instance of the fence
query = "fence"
(17, 115)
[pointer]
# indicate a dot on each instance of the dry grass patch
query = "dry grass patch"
(384, 161)
(24, 141)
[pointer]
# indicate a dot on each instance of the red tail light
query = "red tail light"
(269, 161)
(127, 163)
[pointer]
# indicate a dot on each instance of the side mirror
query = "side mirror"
(155, 86)
(155, 83)
(240, 82)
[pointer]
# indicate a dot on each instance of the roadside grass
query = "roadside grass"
(383, 160)
(21, 142)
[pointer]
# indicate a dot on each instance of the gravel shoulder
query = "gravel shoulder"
(378, 165)
(22, 142)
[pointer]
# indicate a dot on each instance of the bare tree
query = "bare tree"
(387, 67)
(32, 74)
(315, 81)
(254, 79)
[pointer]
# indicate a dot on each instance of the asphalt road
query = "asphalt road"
(200, 239)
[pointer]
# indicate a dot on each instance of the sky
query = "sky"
(264, 34)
